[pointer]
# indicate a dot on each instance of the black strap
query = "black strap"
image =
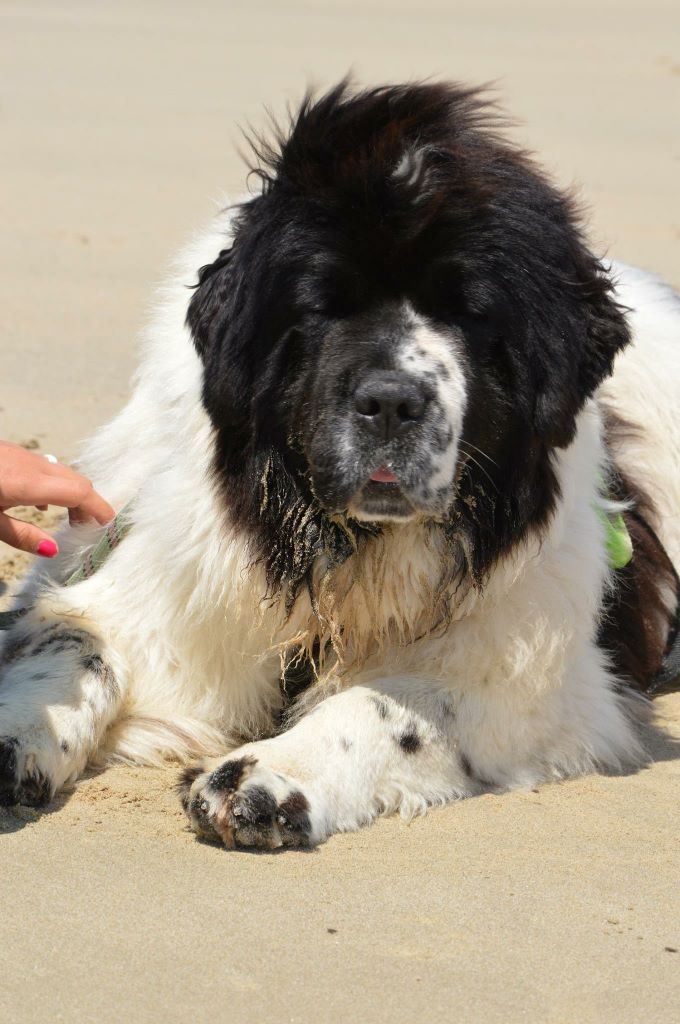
(667, 676)
(294, 680)
(669, 670)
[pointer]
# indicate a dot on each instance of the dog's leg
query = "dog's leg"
(60, 688)
(390, 745)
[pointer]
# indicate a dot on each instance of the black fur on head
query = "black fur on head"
(383, 210)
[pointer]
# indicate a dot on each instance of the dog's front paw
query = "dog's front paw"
(244, 804)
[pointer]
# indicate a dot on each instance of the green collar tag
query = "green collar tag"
(617, 539)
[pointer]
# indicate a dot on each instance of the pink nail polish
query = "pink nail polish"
(47, 548)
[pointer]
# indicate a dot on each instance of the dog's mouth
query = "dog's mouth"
(383, 475)
(381, 498)
(399, 489)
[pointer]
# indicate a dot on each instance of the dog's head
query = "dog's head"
(406, 324)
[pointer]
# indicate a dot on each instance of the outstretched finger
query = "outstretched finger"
(79, 496)
(26, 537)
(92, 506)
(60, 485)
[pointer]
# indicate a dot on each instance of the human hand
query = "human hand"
(30, 479)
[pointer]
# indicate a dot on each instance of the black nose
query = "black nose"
(388, 403)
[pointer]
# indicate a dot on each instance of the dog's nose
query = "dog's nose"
(388, 403)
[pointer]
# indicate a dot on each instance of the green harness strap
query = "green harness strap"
(618, 542)
(617, 539)
(109, 540)
(95, 557)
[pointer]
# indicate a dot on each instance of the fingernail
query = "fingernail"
(47, 548)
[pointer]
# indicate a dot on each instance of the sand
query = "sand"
(118, 132)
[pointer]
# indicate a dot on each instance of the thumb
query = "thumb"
(26, 537)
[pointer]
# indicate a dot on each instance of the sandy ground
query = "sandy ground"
(117, 134)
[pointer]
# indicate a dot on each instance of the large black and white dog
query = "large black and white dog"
(370, 457)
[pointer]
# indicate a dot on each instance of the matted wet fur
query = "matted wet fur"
(368, 453)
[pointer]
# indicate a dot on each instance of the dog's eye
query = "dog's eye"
(447, 294)
(289, 345)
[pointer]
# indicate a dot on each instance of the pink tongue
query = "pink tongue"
(384, 476)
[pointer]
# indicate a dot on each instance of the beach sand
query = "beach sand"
(118, 133)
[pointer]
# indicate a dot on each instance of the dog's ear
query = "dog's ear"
(607, 330)
(574, 341)
(208, 305)
(219, 320)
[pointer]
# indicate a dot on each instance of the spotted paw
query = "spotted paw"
(244, 804)
(23, 780)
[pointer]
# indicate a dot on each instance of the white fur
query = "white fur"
(514, 688)
(410, 171)
(431, 351)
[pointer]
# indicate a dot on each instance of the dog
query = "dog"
(371, 465)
